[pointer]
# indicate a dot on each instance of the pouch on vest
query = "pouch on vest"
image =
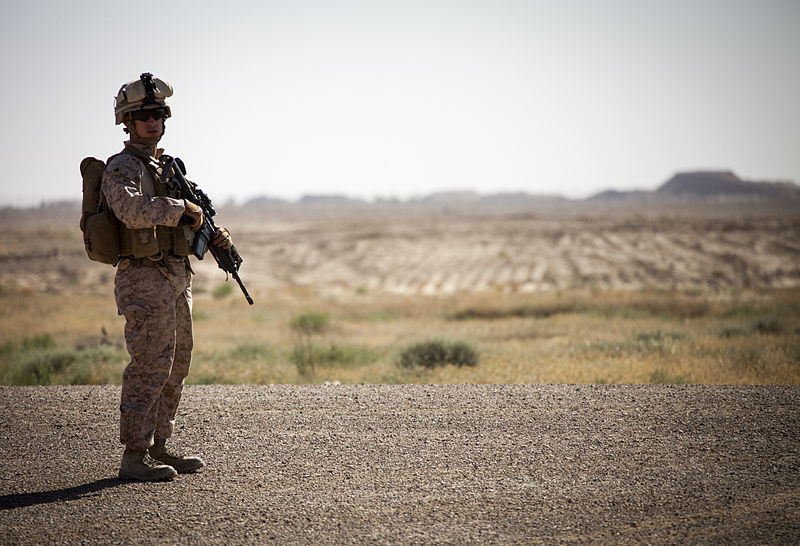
(99, 225)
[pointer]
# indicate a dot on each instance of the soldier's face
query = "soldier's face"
(152, 128)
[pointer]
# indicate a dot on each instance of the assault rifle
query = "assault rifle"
(228, 259)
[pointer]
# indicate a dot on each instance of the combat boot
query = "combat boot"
(137, 465)
(180, 463)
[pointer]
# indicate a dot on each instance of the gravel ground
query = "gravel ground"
(413, 464)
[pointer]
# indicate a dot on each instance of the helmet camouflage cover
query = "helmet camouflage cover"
(146, 93)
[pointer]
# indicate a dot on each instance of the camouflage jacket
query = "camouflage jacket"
(130, 191)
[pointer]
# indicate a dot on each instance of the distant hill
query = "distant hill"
(448, 200)
(329, 200)
(716, 183)
(709, 186)
(700, 188)
(475, 199)
(616, 195)
(706, 183)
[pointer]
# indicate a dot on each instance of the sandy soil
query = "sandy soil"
(413, 464)
(442, 253)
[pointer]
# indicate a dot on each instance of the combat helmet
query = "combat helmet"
(146, 93)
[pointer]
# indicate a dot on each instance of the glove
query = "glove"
(222, 238)
(194, 213)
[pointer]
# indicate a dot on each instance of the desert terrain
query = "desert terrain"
(559, 292)
(528, 446)
(444, 251)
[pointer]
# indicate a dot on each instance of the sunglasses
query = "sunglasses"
(144, 115)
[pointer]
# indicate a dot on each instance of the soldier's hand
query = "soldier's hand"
(222, 238)
(194, 213)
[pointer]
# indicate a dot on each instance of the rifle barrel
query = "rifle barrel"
(241, 285)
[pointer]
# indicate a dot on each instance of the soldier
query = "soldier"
(152, 284)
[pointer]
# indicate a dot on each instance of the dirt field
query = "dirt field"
(413, 465)
(562, 295)
(426, 464)
(367, 252)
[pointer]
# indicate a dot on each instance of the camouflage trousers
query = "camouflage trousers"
(156, 301)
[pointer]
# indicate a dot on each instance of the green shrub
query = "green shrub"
(310, 323)
(306, 326)
(520, 311)
(462, 354)
(658, 338)
(38, 361)
(645, 305)
(430, 354)
(332, 356)
(660, 377)
(739, 311)
(42, 341)
(675, 307)
(767, 326)
(38, 368)
(731, 332)
(650, 342)
(249, 353)
(223, 290)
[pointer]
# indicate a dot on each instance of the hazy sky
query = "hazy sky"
(394, 99)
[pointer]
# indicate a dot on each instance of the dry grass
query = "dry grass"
(511, 286)
(572, 337)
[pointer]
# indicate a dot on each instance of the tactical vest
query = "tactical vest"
(154, 241)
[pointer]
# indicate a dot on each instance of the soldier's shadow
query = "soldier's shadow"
(21, 500)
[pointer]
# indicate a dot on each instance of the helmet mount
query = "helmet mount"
(149, 88)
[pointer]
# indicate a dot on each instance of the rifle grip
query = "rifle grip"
(201, 240)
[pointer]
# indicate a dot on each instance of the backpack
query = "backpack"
(99, 225)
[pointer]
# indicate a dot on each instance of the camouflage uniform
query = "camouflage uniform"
(156, 300)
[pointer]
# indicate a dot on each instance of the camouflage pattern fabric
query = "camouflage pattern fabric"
(156, 301)
(157, 305)
(130, 192)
